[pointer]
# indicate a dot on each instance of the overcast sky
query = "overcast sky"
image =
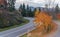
(36, 3)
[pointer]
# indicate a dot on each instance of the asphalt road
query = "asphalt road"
(22, 29)
(57, 32)
(18, 30)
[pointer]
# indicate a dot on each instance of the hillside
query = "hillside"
(9, 18)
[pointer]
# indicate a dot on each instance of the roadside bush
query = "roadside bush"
(9, 18)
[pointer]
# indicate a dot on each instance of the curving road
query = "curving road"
(24, 29)
(57, 33)
(18, 30)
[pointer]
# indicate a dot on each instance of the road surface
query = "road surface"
(18, 30)
(57, 32)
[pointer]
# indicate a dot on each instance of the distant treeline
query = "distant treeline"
(26, 10)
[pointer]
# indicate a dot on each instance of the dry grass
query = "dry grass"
(38, 32)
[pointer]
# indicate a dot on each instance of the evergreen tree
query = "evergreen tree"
(11, 4)
(57, 9)
(30, 13)
(35, 10)
(23, 10)
(20, 8)
(23, 6)
(27, 10)
(39, 9)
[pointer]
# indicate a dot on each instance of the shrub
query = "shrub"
(9, 18)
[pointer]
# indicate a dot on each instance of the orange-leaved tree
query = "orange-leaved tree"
(42, 18)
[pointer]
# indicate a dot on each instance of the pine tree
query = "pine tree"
(34, 11)
(27, 10)
(20, 8)
(11, 4)
(30, 12)
(23, 10)
(57, 9)
(39, 9)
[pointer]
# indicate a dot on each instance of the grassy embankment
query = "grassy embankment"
(14, 26)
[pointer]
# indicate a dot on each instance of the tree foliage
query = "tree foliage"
(11, 4)
(26, 10)
(8, 18)
(42, 19)
(57, 9)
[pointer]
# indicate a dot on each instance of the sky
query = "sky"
(36, 3)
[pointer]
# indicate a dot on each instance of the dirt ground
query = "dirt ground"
(38, 32)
